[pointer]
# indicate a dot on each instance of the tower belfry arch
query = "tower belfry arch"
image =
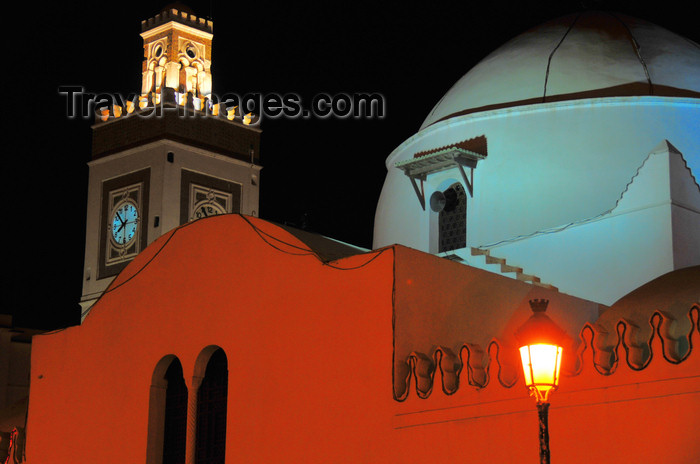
(177, 54)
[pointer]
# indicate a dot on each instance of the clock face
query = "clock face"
(205, 209)
(125, 221)
(204, 196)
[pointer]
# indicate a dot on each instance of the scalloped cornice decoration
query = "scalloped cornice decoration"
(606, 353)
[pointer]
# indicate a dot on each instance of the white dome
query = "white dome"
(550, 192)
(589, 55)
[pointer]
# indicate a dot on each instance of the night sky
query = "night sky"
(327, 171)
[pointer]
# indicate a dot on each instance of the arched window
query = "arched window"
(211, 411)
(175, 430)
(167, 416)
(453, 219)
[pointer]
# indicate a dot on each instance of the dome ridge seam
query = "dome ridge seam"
(551, 55)
(637, 50)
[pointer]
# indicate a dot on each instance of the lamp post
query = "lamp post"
(540, 341)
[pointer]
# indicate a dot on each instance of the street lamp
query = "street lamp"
(540, 341)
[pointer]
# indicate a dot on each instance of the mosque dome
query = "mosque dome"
(549, 152)
(585, 55)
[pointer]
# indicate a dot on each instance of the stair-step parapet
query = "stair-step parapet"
(507, 268)
(527, 277)
(493, 260)
(479, 251)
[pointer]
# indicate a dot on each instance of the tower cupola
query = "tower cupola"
(177, 54)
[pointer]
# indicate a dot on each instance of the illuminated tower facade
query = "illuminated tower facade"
(177, 54)
(168, 158)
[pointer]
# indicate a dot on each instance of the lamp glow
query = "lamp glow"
(540, 341)
(541, 365)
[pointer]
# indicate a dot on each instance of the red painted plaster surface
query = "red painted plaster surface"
(310, 348)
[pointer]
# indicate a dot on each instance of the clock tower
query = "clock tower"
(169, 157)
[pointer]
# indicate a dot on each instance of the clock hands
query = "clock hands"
(127, 216)
(201, 211)
(122, 221)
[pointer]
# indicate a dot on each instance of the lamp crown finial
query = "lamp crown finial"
(539, 305)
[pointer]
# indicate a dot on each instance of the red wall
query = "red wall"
(648, 416)
(306, 343)
(310, 350)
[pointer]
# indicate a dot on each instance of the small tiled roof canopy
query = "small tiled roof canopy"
(476, 145)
